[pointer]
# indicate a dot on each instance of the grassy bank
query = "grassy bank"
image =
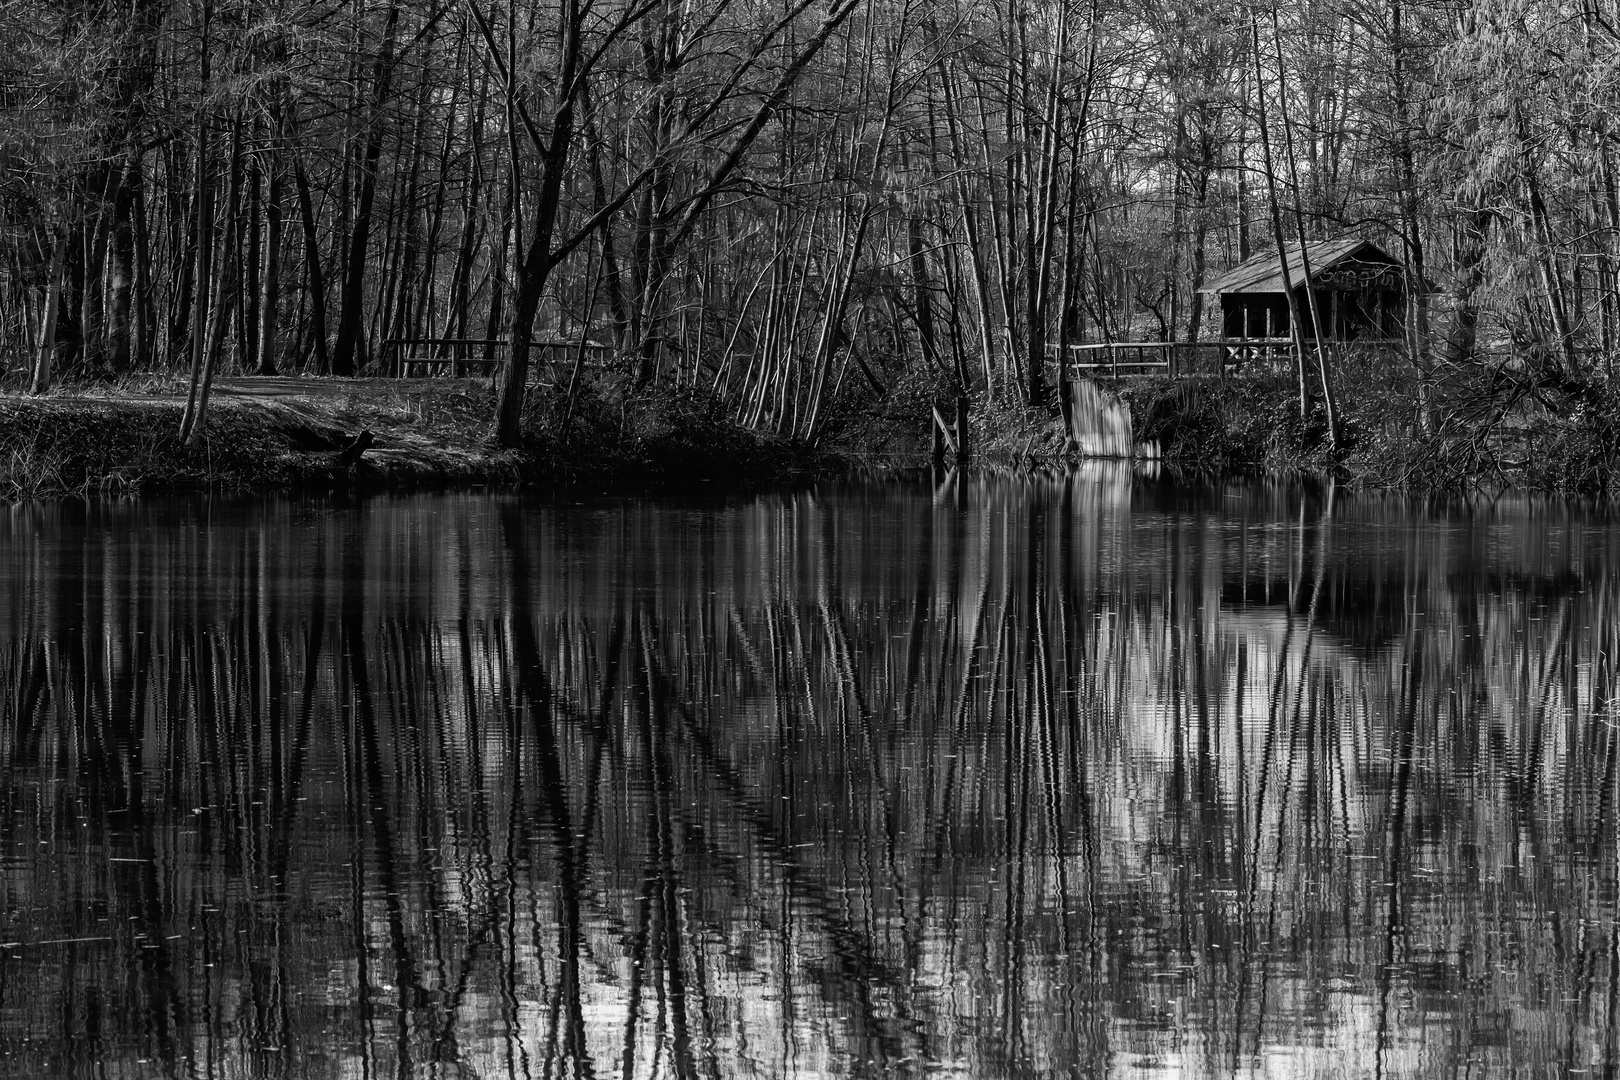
(294, 434)
(1238, 425)
(1516, 421)
(1477, 428)
(1480, 429)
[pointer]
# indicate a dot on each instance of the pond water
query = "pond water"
(983, 777)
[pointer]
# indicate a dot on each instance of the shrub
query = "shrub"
(1232, 424)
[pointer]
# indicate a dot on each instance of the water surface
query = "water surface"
(987, 778)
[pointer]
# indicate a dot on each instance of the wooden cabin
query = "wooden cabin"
(1361, 292)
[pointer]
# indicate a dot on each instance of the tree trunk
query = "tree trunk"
(121, 272)
(314, 279)
(1324, 363)
(348, 352)
(270, 274)
(1277, 226)
(144, 314)
(191, 423)
(250, 261)
(47, 320)
(204, 274)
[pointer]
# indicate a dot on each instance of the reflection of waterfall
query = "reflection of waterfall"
(1105, 482)
(1019, 776)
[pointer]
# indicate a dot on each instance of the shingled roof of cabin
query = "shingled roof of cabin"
(1263, 273)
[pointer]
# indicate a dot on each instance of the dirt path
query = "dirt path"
(274, 388)
(283, 387)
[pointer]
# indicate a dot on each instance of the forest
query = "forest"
(800, 206)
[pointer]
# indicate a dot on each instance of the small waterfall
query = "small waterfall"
(1100, 423)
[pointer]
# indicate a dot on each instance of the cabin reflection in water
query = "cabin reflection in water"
(1014, 777)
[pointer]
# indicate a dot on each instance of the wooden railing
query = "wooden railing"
(1196, 359)
(1123, 359)
(458, 358)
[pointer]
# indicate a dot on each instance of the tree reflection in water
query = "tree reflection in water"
(1000, 778)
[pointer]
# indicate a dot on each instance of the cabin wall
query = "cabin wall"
(1254, 315)
(1349, 315)
(1364, 314)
